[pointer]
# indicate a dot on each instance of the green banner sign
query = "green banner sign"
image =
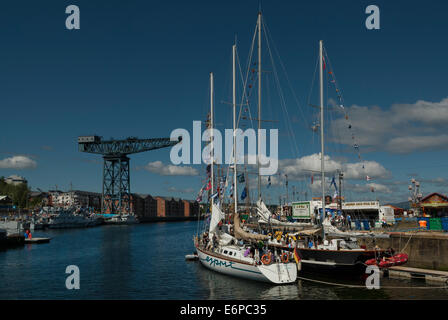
(301, 210)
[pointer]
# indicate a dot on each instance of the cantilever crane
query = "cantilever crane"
(116, 197)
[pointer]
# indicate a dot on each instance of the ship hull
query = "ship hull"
(230, 267)
(264, 273)
(341, 261)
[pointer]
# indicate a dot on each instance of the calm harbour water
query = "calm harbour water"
(147, 261)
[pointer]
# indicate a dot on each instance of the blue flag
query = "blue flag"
(244, 194)
(333, 182)
(214, 195)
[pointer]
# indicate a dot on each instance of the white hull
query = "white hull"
(278, 273)
(13, 227)
(72, 225)
(123, 219)
(67, 221)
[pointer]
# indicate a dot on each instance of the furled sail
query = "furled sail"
(241, 234)
(333, 231)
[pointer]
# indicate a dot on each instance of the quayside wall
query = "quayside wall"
(166, 219)
(426, 249)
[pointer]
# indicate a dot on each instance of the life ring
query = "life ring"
(285, 257)
(266, 259)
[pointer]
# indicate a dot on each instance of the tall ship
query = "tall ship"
(324, 247)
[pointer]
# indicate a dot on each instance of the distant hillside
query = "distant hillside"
(403, 205)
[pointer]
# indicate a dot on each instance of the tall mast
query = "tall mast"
(322, 165)
(259, 103)
(212, 152)
(235, 192)
(341, 176)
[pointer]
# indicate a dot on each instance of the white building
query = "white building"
(75, 198)
(15, 180)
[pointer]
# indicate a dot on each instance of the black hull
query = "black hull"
(12, 241)
(347, 270)
(340, 261)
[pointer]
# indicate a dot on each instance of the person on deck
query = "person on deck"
(310, 244)
(257, 256)
(215, 242)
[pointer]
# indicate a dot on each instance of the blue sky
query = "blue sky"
(141, 68)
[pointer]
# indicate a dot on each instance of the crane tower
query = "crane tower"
(116, 194)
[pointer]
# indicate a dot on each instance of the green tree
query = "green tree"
(18, 193)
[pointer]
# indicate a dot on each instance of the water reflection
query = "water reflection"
(147, 261)
(217, 286)
(284, 292)
(115, 262)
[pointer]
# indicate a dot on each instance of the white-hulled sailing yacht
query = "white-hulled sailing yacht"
(241, 254)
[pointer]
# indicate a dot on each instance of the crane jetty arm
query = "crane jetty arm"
(95, 144)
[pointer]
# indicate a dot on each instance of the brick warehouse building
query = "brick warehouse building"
(143, 205)
(191, 208)
(147, 206)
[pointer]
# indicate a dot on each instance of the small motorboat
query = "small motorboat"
(37, 240)
(396, 260)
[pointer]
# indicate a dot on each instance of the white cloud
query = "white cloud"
(170, 170)
(410, 144)
(186, 190)
(360, 170)
(403, 128)
(430, 113)
(439, 182)
(365, 189)
(18, 162)
(377, 187)
(300, 168)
